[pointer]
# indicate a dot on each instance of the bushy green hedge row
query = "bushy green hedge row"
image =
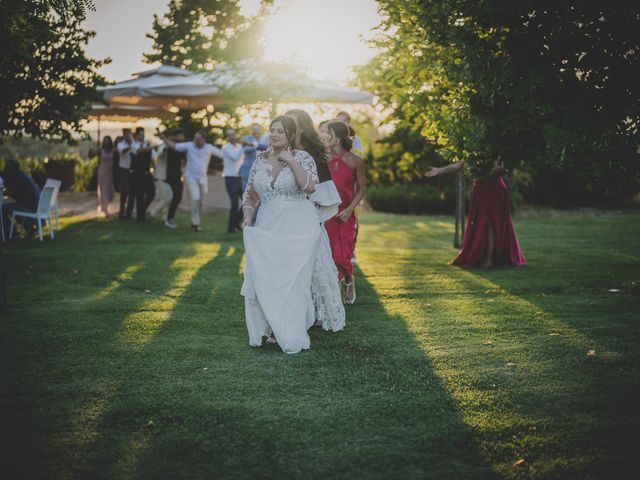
(412, 198)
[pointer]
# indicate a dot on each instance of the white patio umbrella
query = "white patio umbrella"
(323, 91)
(164, 87)
(168, 86)
(264, 83)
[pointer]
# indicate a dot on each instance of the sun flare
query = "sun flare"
(327, 37)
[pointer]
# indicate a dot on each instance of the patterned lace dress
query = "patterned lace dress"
(280, 255)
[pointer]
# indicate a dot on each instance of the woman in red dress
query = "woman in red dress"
(348, 174)
(490, 237)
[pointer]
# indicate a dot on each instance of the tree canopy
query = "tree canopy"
(527, 82)
(199, 34)
(46, 79)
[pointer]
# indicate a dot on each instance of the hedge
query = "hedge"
(417, 199)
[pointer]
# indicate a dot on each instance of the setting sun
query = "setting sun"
(327, 37)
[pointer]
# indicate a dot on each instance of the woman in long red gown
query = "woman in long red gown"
(348, 174)
(490, 237)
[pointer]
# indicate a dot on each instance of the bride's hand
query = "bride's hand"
(285, 157)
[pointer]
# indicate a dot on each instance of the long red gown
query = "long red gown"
(490, 205)
(342, 234)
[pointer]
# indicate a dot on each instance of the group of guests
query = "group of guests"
(151, 179)
(146, 173)
(299, 230)
(143, 173)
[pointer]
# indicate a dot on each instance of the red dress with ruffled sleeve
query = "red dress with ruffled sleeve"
(342, 234)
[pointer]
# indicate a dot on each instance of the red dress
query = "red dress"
(490, 205)
(342, 234)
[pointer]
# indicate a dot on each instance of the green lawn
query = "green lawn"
(124, 354)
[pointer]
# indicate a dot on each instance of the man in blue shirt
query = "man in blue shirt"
(252, 144)
(21, 187)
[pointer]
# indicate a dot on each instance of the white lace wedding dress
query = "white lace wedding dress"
(280, 253)
(325, 288)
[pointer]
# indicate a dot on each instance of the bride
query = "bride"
(281, 247)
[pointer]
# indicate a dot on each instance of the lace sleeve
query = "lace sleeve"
(250, 197)
(309, 166)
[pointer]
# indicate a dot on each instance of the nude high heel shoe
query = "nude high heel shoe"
(347, 285)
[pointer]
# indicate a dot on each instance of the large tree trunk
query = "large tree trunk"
(460, 212)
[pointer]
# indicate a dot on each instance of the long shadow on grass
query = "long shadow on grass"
(166, 346)
(585, 345)
(519, 372)
(197, 401)
(66, 362)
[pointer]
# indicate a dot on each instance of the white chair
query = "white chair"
(54, 198)
(42, 213)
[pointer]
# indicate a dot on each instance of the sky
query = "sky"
(324, 35)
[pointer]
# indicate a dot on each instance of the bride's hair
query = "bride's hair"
(311, 143)
(289, 127)
(343, 132)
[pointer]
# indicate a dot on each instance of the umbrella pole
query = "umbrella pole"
(274, 109)
(99, 130)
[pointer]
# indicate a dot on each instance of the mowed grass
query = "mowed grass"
(124, 354)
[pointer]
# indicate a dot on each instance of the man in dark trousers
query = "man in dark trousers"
(124, 175)
(175, 161)
(142, 184)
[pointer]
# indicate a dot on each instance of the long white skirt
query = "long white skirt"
(280, 254)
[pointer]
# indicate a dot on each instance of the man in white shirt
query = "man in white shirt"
(195, 174)
(233, 155)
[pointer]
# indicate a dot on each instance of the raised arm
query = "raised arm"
(303, 167)
(123, 147)
(215, 151)
(233, 152)
(257, 147)
(453, 168)
(169, 143)
(249, 146)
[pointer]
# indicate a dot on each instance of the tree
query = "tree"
(199, 35)
(540, 83)
(46, 79)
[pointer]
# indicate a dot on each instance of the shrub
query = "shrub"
(86, 175)
(62, 160)
(417, 199)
